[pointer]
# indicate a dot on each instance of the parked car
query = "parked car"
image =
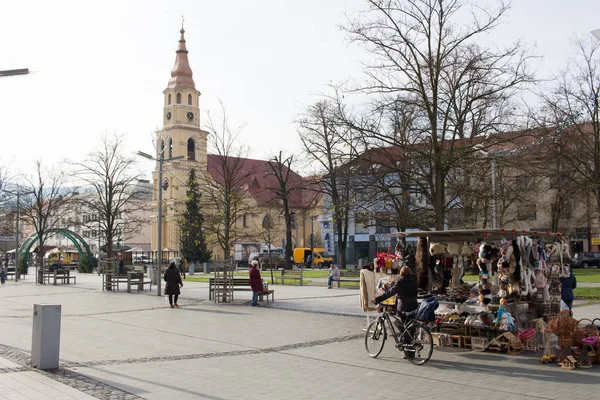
(141, 260)
(276, 257)
(585, 260)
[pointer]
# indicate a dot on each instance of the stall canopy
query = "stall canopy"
(487, 234)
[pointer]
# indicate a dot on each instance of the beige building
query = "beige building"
(181, 137)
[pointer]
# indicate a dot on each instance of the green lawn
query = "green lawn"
(588, 293)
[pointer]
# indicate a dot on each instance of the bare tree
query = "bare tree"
(281, 170)
(461, 89)
(571, 114)
(329, 143)
(227, 196)
(115, 198)
(48, 201)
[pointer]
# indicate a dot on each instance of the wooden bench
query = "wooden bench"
(136, 279)
(241, 285)
(64, 275)
(130, 279)
(290, 274)
(349, 276)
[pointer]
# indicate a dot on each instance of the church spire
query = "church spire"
(181, 74)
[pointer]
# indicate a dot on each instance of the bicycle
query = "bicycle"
(413, 337)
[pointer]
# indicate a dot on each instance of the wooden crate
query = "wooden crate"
(479, 343)
(456, 341)
(467, 342)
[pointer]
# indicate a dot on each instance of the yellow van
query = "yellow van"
(320, 257)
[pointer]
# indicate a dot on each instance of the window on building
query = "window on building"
(267, 222)
(178, 98)
(527, 212)
(245, 220)
(190, 99)
(558, 182)
(191, 150)
(383, 222)
(169, 101)
(169, 148)
(525, 181)
(162, 147)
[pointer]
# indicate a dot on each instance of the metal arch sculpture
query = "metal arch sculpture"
(77, 240)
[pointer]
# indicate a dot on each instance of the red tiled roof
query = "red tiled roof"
(258, 177)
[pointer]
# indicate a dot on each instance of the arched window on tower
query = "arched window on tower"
(191, 150)
(169, 100)
(170, 149)
(190, 99)
(178, 98)
(161, 149)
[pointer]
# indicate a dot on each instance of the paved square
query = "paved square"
(308, 344)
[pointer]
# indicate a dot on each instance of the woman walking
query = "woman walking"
(174, 282)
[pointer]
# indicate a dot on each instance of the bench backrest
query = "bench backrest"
(291, 272)
(349, 274)
(235, 281)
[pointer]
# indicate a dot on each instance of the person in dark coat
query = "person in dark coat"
(568, 284)
(121, 266)
(406, 288)
(174, 282)
(255, 282)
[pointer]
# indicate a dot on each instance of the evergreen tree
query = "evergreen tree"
(192, 239)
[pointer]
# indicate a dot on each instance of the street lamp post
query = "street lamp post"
(159, 228)
(10, 72)
(492, 157)
(18, 193)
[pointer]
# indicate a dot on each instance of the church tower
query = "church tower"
(180, 138)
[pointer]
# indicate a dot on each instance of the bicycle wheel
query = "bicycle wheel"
(421, 349)
(375, 338)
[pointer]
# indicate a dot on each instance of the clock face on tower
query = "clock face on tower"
(190, 116)
(168, 115)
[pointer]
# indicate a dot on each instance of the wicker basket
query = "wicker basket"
(585, 327)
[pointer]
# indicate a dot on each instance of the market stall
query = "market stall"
(515, 305)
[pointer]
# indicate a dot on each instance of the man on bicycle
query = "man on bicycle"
(406, 288)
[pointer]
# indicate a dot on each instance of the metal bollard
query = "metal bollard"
(45, 344)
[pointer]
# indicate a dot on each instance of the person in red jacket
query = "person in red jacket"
(255, 282)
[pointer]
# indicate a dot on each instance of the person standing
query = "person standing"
(334, 275)
(568, 282)
(184, 265)
(174, 282)
(309, 260)
(121, 266)
(255, 282)
(2, 275)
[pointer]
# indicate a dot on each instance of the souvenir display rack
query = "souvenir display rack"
(517, 296)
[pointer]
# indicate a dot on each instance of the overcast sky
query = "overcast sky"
(101, 66)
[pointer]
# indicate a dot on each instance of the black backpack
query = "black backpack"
(426, 310)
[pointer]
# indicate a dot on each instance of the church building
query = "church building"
(182, 137)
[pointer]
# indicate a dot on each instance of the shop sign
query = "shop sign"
(596, 241)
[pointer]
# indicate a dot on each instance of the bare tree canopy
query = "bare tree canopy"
(115, 196)
(458, 91)
(227, 199)
(330, 143)
(281, 170)
(570, 115)
(47, 203)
